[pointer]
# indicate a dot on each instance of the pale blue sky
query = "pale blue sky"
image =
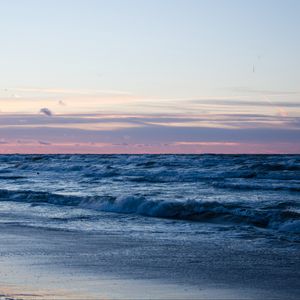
(211, 61)
(165, 48)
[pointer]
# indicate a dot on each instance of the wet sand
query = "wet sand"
(40, 263)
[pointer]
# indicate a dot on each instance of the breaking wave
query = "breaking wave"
(282, 216)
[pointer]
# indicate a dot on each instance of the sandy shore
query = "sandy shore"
(40, 263)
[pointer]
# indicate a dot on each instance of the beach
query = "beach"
(54, 264)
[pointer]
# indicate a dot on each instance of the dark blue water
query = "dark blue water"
(257, 196)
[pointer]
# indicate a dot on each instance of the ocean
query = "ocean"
(249, 194)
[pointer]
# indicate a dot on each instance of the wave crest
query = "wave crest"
(276, 217)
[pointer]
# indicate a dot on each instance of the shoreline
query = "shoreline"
(36, 262)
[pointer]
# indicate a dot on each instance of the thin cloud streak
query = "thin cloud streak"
(126, 121)
(140, 148)
(237, 102)
(81, 92)
(263, 92)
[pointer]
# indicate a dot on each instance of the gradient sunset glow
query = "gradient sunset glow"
(149, 76)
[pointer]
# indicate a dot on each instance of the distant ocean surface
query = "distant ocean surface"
(169, 196)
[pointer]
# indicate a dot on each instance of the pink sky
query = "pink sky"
(221, 127)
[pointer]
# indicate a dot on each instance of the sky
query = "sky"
(141, 76)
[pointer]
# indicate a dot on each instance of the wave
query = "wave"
(274, 186)
(13, 177)
(164, 168)
(279, 216)
(203, 211)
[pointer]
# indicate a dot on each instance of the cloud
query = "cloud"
(27, 141)
(149, 133)
(263, 92)
(206, 143)
(159, 148)
(46, 111)
(107, 122)
(44, 143)
(237, 102)
(83, 92)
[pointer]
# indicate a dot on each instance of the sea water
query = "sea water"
(166, 196)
